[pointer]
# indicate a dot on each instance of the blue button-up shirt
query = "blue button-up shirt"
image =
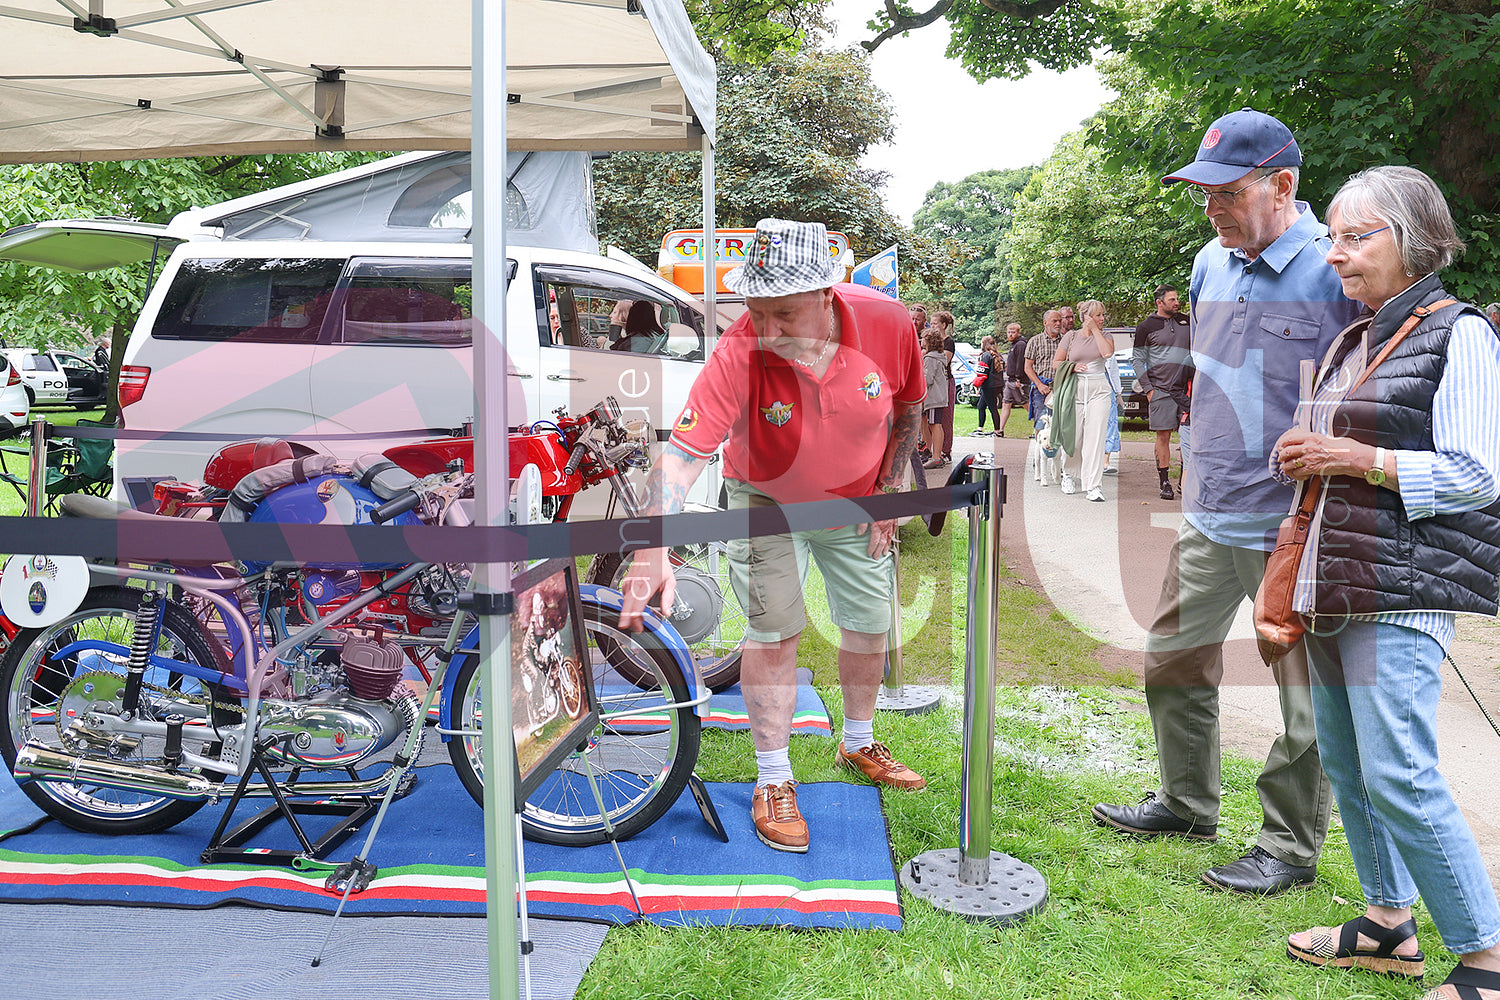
(1253, 323)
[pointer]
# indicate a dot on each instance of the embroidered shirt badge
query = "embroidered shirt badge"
(870, 386)
(687, 421)
(778, 413)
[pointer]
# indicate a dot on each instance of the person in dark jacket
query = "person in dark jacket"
(986, 370)
(1407, 534)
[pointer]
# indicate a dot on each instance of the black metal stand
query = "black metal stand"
(230, 847)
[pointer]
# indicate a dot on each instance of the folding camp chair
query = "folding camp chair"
(79, 465)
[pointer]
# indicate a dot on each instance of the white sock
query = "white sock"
(773, 767)
(858, 735)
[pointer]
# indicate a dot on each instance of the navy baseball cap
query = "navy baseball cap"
(1236, 144)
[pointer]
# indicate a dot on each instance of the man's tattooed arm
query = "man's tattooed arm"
(904, 431)
(671, 478)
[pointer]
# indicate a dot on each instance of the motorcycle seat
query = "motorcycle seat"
(103, 509)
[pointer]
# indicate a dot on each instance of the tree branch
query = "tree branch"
(901, 23)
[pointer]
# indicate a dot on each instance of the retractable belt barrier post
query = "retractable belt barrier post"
(895, 694)
(36, 482)
(973, 881)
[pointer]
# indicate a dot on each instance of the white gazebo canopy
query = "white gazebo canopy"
(136, 79)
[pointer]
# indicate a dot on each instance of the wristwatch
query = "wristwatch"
(1376, 475)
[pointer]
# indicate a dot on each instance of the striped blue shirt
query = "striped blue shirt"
(1462, 474)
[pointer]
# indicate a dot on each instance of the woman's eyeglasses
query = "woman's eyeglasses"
(1348, 242)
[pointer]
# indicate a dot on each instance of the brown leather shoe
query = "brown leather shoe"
(876, 763)
(778, 823)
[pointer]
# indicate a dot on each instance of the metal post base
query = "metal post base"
(908, 699)
(1013, 892)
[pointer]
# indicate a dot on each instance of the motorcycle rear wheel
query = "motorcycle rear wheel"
(640, 752)
(36, 687)
(717, 653)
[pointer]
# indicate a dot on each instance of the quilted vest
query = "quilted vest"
(1371, 557)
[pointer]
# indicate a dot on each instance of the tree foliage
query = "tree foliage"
(977, 212)
(41, 306)
(791, 132)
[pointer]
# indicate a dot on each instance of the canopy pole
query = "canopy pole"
(492, 584)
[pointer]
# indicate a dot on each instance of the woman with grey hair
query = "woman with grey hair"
(1405, 536)
(1090, 349)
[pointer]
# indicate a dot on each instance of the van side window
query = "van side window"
(407, 303)
(605, 312)
(265, 300)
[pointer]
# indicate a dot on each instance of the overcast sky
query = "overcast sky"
(947, 125)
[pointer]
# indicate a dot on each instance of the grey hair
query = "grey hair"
(1493, 307)
(1087, 306)
(1296, 173)
(1410, 203)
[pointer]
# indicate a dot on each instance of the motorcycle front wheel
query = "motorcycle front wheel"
(50, 694)
(640, 752)
(714, 628)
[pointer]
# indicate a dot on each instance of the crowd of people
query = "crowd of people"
(1310, 353)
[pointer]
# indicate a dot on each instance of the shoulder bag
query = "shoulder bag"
(1278, 626)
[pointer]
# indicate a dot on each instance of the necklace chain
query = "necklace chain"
(827, 343)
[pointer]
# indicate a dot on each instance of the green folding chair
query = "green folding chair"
(79, 465)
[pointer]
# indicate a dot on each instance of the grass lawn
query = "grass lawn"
(1125, 917)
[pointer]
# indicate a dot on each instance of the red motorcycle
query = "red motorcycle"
(571, 454)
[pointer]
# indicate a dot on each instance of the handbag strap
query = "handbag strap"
(1315, 485)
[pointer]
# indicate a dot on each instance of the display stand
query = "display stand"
(895, 695)
(973, 881)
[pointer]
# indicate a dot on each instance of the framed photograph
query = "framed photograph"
(552, 704)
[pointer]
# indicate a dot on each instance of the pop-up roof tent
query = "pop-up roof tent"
(123, 79)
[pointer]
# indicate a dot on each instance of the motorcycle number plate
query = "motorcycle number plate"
(37, 591)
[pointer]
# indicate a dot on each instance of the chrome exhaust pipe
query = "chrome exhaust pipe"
(35, 761)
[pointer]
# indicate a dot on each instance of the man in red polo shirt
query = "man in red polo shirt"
(818, 389)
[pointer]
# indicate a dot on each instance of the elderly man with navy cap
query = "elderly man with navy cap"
(815, 394)
(1264, 301)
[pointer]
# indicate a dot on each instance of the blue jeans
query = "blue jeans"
(1375, 697)
(1112, 432)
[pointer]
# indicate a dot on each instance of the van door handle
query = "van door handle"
(516, 374)
(566, 378)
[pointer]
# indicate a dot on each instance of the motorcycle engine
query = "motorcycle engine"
(331, 729)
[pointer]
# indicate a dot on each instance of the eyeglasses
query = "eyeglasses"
(1221, 199)
(1348, 242)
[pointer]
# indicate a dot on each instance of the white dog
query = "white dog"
(1043, 457)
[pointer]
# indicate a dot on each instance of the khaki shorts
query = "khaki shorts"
(768, 572)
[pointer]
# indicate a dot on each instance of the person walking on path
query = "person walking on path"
(935, 377)
(1015, 391)
(1090, 350)
(1263, 301)
(1040, 350)
(1410, 460)
(992, 365)
(942, 322)
(815, 393)
(1163, 366)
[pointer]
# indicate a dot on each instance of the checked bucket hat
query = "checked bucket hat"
(784, 259)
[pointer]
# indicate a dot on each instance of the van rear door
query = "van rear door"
(80, 245)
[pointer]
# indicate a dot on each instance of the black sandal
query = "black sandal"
(1344, 951)
(1467, 981)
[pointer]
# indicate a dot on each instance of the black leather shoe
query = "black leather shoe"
(1153, 819)
(1259, 874)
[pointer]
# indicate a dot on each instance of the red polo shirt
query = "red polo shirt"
(796, 437)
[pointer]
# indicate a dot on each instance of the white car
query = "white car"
(46, 384)
(15, 405)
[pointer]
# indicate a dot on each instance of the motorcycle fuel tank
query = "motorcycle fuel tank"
(323, 500)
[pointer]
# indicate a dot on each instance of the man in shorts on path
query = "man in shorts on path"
(1013, 375)
(816, 394)
(1163, 367)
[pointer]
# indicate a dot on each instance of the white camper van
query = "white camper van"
(338, 310)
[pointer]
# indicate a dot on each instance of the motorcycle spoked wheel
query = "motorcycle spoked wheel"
(40, 691)
(717, 654)
(641, 751)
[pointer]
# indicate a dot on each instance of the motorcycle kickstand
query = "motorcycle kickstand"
(356, 874)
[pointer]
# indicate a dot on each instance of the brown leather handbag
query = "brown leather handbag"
(1278, 626)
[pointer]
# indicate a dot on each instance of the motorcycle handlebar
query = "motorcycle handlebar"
(395, 508)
